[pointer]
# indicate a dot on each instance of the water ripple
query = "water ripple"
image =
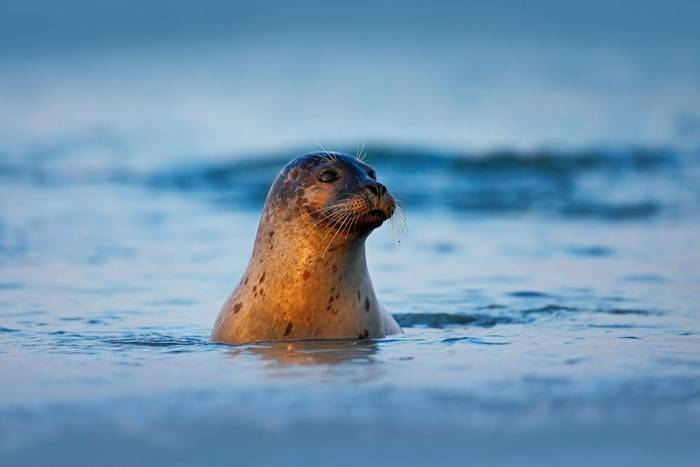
(441, 320)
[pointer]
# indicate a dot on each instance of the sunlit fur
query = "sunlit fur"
(307, 277)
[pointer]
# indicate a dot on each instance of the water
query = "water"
(549, 303)
(548, 283)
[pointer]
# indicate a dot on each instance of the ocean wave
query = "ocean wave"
(442, 320)
(509, 316)
(597, 184)
(606, 184)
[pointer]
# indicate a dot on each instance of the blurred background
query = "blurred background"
(184, 78)
(548, 157)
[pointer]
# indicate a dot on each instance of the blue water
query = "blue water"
(548, 281)
(549, 302)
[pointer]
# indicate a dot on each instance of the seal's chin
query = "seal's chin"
(375, 218)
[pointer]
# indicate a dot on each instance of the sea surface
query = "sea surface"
(547, 280)
(550, 302)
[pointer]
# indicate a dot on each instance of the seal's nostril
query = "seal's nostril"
(378, 189)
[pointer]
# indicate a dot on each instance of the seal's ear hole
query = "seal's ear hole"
(329, 175)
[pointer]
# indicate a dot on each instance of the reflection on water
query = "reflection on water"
(310, 353)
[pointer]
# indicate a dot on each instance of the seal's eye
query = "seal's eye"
(329, 175)
(372, 174)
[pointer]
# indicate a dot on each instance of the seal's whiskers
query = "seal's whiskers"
(348, 215)
(398, 222)
(361, 154)
(329, 156)
(332, 217)
(341, 203)
(335, 220)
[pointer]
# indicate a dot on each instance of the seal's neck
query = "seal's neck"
(306, 259)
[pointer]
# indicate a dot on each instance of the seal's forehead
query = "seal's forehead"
(311, 160)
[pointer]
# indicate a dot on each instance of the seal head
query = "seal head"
(339, 192)
(307, 277)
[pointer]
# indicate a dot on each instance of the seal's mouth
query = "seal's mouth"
(356, 215)
(375, 216)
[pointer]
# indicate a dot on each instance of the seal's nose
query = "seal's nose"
(377, 189)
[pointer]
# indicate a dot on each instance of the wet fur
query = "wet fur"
(307, 277)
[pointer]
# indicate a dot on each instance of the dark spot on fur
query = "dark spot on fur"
(335, 268)
(270, 234)
(289, 328)
(330, 300)
(237, 307)
(306, 274)
(328, 307)
(262, 291)
(366, 303)
(262, 278)
(363, 335)
(333, 289)
(246, 281)
(337, 296)
(255, 288)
